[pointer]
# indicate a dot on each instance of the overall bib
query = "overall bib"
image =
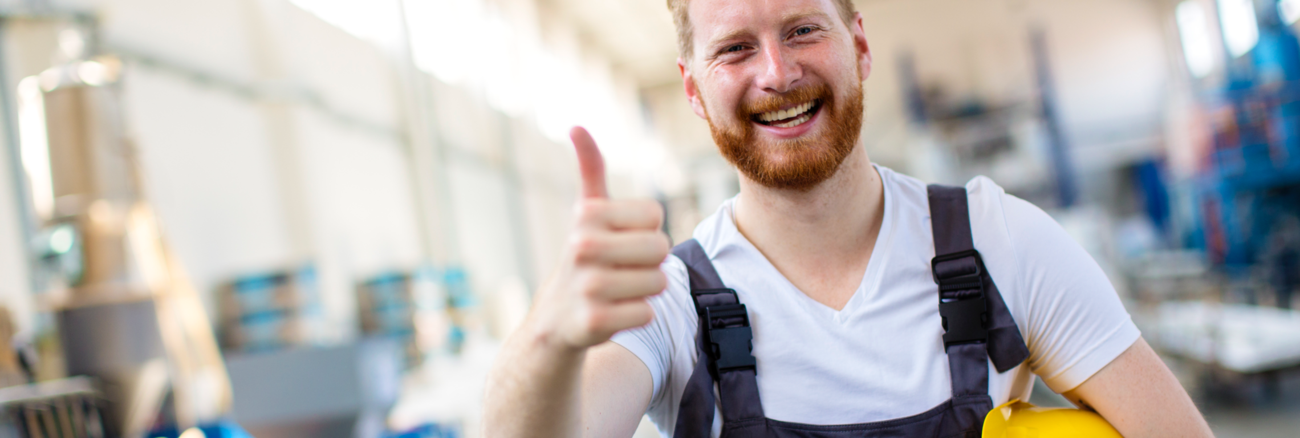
(976, 322)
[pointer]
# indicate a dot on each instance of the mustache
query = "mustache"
(778, 101)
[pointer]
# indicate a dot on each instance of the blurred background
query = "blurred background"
(318, 218)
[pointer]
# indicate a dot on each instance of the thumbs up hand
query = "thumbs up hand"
(610, 265)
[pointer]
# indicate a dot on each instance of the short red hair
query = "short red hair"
(685, 32)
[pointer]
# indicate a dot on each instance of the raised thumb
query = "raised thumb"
(591, 164)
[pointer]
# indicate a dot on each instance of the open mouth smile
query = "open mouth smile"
(790, 117)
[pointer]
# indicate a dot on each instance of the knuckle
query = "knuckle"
(654, 208)
(585, 247)
(589, 210)
(655, 245)
(664, 246)
(649, 210)
(659, 281)
(595, 320)
(594, 285)
(644, 314)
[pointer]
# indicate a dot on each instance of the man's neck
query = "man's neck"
(818, 236)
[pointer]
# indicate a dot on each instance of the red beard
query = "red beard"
(798, 164)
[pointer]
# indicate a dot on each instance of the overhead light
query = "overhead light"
(51, 78)
(72, 43)
(371, 21)
(62, 239)
(92, 73)
(1194, 30)
(433, 24)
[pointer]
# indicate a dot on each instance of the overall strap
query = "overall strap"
(723, 343)
(976, 321)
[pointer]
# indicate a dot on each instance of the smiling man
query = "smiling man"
(831, 297)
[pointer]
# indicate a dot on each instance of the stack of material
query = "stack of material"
(272, 311)
(127, 314)
(69, 408)
(409, 308)
(11, 370)
(1236, 337)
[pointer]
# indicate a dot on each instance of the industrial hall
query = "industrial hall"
(649, 218)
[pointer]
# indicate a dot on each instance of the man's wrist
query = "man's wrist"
(537, 340)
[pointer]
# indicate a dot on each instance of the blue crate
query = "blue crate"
(224, 429)
(427, 431)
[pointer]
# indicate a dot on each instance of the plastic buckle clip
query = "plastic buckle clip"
(965, 319)
(732, 347)
(964, 281)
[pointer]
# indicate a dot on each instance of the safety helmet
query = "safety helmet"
(1017, 419)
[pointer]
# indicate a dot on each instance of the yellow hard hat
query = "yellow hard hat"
(1017, 419)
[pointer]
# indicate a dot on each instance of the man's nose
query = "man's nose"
(779, 70)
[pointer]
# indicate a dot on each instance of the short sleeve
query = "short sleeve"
(1076, 323)
(655, 343)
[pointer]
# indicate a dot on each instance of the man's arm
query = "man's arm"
(1081, 339)
(557, 375)
(616, 390)
(1138, 395)
(534, 393)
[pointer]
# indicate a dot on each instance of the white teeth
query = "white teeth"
(793, 123)
(785, 114)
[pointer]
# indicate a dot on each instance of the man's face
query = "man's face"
(780, 83)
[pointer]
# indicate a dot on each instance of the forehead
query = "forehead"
(713, 17)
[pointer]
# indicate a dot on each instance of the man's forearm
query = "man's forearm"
(1138, 395)
(534, 389)
(608, 271)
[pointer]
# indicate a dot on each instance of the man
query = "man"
(831, 257)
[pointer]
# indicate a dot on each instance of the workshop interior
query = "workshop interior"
(319, 218)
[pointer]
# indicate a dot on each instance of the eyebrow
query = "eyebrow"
(803, 15)
(715, 42)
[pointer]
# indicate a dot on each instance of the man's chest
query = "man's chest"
(879, 359)
(876, 360)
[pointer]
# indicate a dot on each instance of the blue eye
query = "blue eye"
(803, 31)
(735, 48)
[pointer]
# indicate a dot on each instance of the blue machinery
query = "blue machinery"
(1248, 186)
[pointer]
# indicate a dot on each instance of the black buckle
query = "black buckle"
(964, 319)
(974, 280)
(731, 347)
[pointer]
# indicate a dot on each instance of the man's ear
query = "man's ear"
(692, 92)
(861, 46)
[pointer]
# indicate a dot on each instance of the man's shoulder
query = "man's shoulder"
(983, 189)
(907, 190)
(717, 230)
(980, 188)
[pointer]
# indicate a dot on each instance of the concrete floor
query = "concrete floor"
(1249, 408)
(1255, 423)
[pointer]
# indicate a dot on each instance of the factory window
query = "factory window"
(1289, 10)
(1195, 32)
(1240, 29)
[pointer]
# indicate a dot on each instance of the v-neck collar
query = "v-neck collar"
(871, 277)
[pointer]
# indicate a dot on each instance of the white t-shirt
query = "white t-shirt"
(882, 357)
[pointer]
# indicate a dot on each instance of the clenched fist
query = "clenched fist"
(610, 265)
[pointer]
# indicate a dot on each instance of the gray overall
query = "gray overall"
(976, 322)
